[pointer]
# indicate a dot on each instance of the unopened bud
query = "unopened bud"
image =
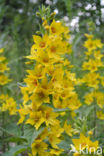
(38, 13)
(53, 14)
(90, 133)
(38, 32)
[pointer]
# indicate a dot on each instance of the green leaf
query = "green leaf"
(30, 133)
(13, 129)
(16, 139)
(65, 144)
(61, 110)
(16, 150)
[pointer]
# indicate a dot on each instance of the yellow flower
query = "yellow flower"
(85, 143)
(100, 115)
(24, 91)
(89, 36)
(89, 98)
(98, 43)
(23, 111)
(99, 63)
(50, 117)
(91, 79)
(38, 72)
(44, 59)
(88, 53)
(102, 81)
(31, 82)
(73, 114)
(92, 146)
(40, 42)
(56, 48)
(56, 151)
(39, 147)
(56, 28)
(9, 104)
(73, 102)
(64, 94)
(67, 83)
(1, 50)
(90, 44)
(2, 58)
(50, 70)
(54, 141)
(40, 96)
(36, 119)
(82, 141)
(59, 103)
(90, 65)
(47, 85)
(33, 53)
(98, 55)
(99, 98)
(3, 67)
(4, 80)
(68, 129)
(57, 78)
(43, 135)
(57, 130)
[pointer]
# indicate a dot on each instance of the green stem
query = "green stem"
(3, 134)
(94, 119)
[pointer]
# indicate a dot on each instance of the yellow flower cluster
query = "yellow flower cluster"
(7, 102)
(93, 78)
(49, 86)
(84, 143)
(3, 68)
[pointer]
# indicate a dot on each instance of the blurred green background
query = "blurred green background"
(18, 22)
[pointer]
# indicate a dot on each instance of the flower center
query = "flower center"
(41, 95)
(53, 49)
(53, 29)
(42, 44)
